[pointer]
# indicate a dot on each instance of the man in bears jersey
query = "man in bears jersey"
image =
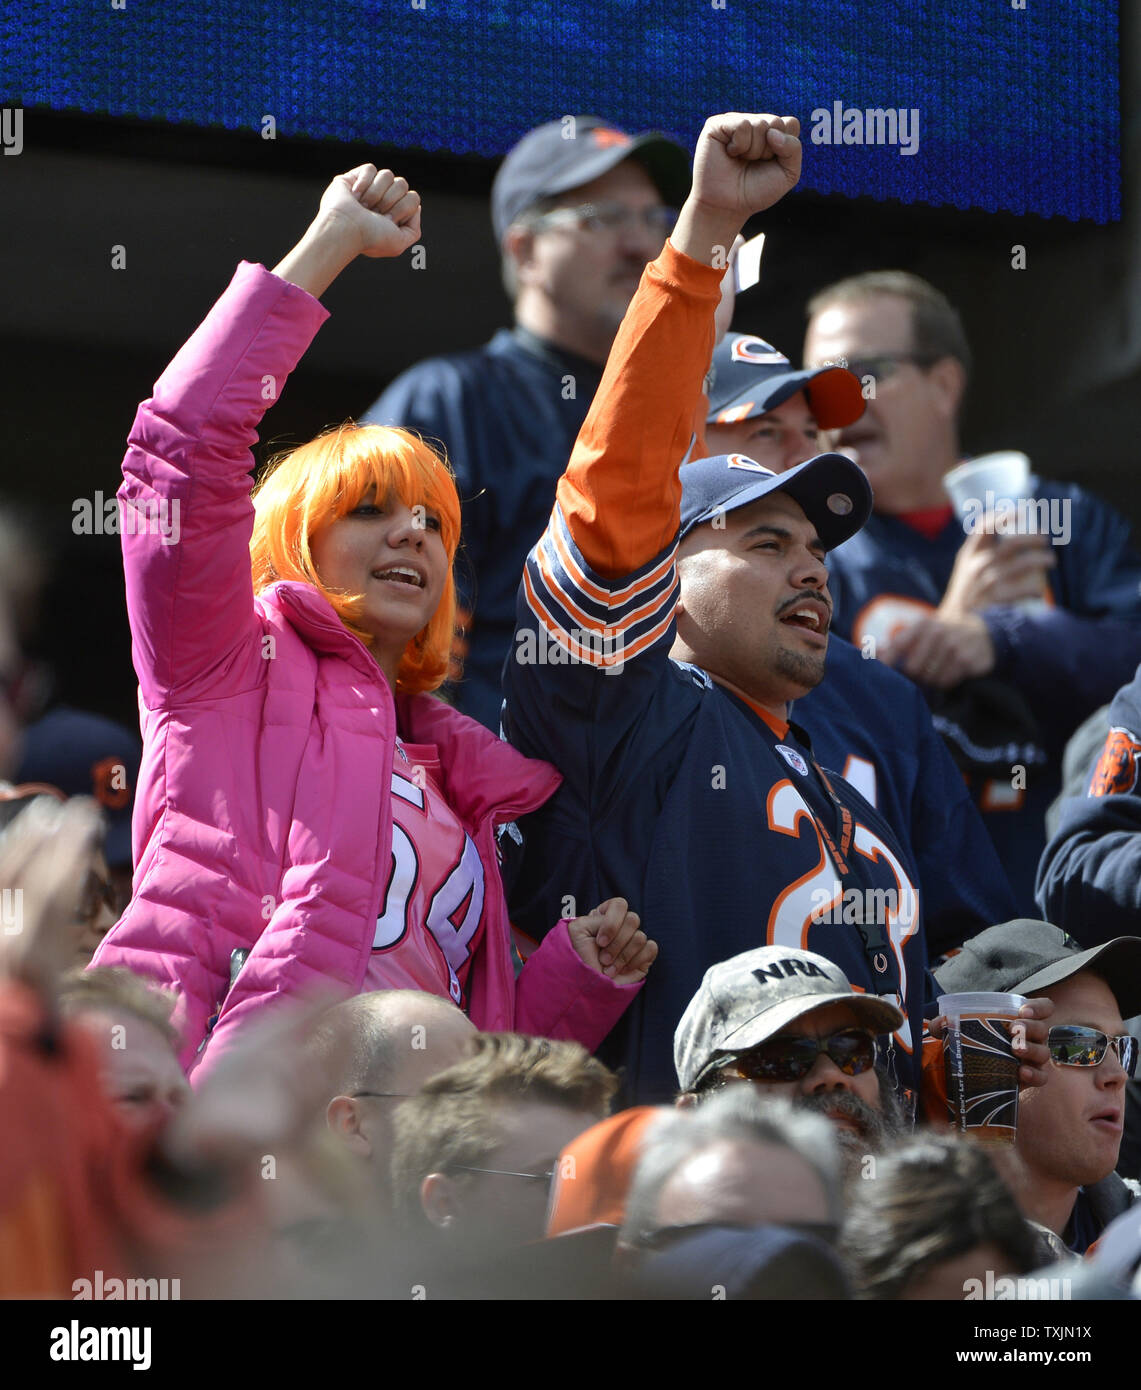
(664, 703)
(867, 721)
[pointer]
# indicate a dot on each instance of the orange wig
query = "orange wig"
(309, 488)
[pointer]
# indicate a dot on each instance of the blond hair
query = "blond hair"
(455, 1118)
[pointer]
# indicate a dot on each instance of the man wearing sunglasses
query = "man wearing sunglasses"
(579, 207)
(945, 608)
(788, 1023)
(1069, 1131)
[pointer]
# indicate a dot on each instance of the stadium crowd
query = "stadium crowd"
(564, 796)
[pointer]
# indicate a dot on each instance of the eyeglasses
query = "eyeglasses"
(380, 1095)
(1074, 1046)
(547, 1178)
(610, 217)
(853, 1050)
(885, 366)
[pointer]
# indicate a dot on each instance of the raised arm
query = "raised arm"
(599, 590)
(620, 495)
(185, 509)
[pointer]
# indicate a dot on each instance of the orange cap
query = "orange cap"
(595, 1171)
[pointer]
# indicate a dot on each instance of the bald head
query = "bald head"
(378, 1048)
(389, 1041)
(740, 1182)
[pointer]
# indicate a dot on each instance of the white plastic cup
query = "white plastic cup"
(981, 1065)
(1004, 475)
(990, 487)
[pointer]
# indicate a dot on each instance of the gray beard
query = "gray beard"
(878, 1129)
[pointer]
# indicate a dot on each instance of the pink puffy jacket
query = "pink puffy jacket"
(262, 818)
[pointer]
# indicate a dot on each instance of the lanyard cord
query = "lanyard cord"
(877, 948)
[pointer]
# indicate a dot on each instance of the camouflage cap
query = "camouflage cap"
(747, 999)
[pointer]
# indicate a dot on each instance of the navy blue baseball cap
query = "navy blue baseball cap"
(84, 754)
(748, 1262)
(832, 491)
(751, 377)
(567, 153)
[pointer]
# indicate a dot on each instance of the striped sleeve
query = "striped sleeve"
(592, 620)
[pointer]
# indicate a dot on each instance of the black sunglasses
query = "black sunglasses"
(1072, 1045)
(853, 1050)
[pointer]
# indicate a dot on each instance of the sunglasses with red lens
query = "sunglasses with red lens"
(852, 1050)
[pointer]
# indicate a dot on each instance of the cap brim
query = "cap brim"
(666, 163)
(834, 397)
(832, 491)
(1123, 953)
(869, 1009)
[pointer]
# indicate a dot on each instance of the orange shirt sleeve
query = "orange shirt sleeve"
(620, 494)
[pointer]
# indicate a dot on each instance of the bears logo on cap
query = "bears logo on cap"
(758, 352)
(1116, 771)
(749, 465)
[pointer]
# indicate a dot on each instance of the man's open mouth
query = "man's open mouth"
(813, 617)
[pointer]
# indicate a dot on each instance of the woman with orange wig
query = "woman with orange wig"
(309, 816)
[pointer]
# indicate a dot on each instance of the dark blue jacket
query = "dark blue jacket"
(1064, 661)
(1089, 880)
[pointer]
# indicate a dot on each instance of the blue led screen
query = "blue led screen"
(977, 99)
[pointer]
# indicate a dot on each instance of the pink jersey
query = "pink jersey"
(436, 878)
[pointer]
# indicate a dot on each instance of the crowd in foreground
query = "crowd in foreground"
(339, 1038)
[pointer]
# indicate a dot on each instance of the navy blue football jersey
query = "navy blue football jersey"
(873, 726)
(718, 827)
